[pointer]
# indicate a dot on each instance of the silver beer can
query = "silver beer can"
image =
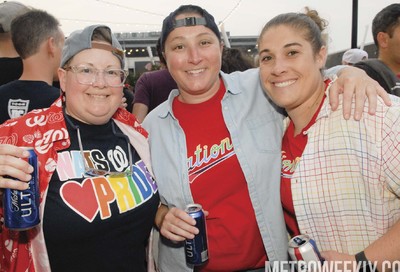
(303, 250)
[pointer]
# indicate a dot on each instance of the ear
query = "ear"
(382, 39)
(322, 56)
(62, 76)
(51, 46)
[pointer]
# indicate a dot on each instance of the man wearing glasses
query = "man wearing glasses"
(98, 196)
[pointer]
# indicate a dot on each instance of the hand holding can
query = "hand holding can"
(303, 250)
(196, 249)
(21, 207)
(15, 171)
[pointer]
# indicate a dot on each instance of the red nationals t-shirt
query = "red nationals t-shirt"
(218, 184)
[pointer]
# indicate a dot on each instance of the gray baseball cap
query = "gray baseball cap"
(8, 11)
(80, 40)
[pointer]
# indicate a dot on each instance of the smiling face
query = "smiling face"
(96, 103)
(289, 68)
(193, 56)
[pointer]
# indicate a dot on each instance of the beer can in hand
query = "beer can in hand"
(303, 249)
(196, 249)
(21, 207)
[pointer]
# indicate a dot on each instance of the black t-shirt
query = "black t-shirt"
(10, 69)
(98, 223)
(21, 96)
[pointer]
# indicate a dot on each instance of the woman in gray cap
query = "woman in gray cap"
(98, 197)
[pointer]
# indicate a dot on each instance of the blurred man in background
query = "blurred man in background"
(38, 39)
(354, 55)
(10, 62)
(386, 34)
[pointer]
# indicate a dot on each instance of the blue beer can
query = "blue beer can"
(196, 249)
(21, 208)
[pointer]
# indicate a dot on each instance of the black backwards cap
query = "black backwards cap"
(170, 23)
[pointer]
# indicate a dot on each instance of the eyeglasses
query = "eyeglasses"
(93, 172)
(87, 75)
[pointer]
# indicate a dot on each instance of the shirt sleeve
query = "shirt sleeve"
(333, 71)
(391, 148)
(142, 94)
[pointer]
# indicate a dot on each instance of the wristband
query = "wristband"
(363, 262)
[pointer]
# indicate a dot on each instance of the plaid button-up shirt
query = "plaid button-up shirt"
(346, 188)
